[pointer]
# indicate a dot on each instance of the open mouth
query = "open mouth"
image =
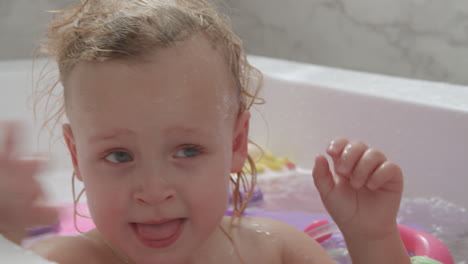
(159, 234)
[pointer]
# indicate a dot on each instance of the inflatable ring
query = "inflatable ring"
(415, 241)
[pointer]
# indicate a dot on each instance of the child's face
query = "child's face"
(156, 142)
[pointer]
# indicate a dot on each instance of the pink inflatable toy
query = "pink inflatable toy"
(423, 244)
(417, 242)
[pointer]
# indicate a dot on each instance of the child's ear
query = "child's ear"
(70, 140)
(240, 142)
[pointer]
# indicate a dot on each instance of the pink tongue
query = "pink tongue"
(158, 232)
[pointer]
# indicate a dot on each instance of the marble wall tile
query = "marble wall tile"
(426, 39)
(22, 25)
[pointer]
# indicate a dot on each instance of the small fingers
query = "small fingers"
(350, 156)
(323, 178)
(25, 192)
(336, 147)
(24, 170)
(10, 139)
(364, 166)
(369, 162)
(43, 216)
(33, 212)
(34, 163)
(387, 177)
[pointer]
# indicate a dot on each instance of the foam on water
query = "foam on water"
(440, 218)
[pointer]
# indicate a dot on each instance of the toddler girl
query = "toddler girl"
(157, 95)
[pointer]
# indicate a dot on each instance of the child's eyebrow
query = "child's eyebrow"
(128, 132)
(111, 135)
(184, 130)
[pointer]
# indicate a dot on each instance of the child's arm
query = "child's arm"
(19, 191)
(363, 199)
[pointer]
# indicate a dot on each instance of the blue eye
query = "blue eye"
(118, 157)
(189, 152)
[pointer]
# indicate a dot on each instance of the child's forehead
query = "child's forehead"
(178, 83)
(190, 68)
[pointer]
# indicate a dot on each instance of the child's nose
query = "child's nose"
(154, 190)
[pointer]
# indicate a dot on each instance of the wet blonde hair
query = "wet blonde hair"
(100, 30)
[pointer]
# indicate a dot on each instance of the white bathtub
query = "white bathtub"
(423, 126)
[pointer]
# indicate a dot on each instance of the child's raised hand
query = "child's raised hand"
(364, 197)
(20, 193)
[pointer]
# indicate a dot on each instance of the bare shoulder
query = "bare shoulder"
(67, 250)
(292, 244)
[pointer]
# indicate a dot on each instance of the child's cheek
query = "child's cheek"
(106, 200)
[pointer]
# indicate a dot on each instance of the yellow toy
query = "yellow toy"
(266, 160)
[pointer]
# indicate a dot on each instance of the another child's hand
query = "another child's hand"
(19, 190)
(364, 197)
